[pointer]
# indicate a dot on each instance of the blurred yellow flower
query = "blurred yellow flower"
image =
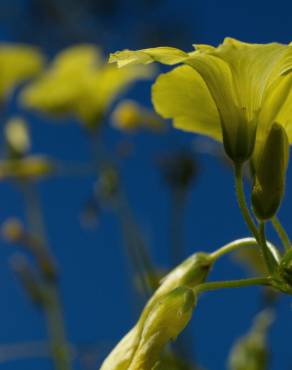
(232, 93)
(17, 64)
(130, 116)
(78, 82)
(30, 167)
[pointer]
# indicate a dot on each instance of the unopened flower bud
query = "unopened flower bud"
(163, 318)
(141, 347)
(12, 230)
(164, 323)
(270, 174)
(130, 117)
(17, 136)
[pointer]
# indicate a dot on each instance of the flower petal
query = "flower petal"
(183, 96)
(164, 55)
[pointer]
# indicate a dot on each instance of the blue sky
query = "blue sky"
(95, 276)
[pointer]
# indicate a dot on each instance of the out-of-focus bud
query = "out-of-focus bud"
(251, 351)
(141, 348)
(179, 170)
(12, 230)
(171, 361)
(252, 258)
(130, 117)
(28, 278)
(189, 274)
(29, 167)
(107, 184)
(270, 175)
(17, 137)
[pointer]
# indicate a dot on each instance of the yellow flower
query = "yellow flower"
(79, 83)
(17, 64)
(232, 93)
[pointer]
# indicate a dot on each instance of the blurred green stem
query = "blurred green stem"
(136, 249)
(52, 306)
(281, 233)
(176, 226)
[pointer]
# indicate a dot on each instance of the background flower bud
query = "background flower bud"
(251, 351)
(270, 175)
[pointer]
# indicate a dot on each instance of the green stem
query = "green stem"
(242, 201)
(269, 259)
(215, 285)
(52, 306)
(230, 247)
(178, 202)
(59, 348)
(281, 233)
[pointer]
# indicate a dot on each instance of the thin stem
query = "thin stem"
(230, 247)
(134, 242)
(52, 306)
(263, 243)
(59, 348)
(242, 201)
(215, 285)
(281, 233)
(176, 225)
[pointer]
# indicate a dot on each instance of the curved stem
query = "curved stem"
(269, 259)
(242, 201)
(215, 285)
(230, 247)
(281, 233)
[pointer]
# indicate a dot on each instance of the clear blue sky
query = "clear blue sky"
(95, 278)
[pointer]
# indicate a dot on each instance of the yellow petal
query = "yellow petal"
(78, 57)
(164, 55)
(183, 96)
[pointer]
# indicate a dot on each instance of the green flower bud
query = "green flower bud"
(141, 347)
(251, 351)
(269, 183)
(170, 301)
